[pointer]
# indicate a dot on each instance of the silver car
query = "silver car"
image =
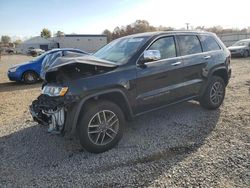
(240, 48)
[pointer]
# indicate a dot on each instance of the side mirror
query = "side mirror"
(151, 55)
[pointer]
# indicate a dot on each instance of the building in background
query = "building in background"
(35, 43)
(88, 43)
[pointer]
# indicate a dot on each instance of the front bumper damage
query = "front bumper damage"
(52, 112)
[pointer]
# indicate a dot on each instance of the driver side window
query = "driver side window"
(166, 46)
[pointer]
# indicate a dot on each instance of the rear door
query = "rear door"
(212, 50)
(158, 80)
(194, 61)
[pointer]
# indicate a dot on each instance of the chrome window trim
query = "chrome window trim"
(181, 56)
(162, 36)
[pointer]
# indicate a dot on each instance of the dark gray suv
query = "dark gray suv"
(93, 96)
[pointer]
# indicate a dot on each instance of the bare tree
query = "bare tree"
(108, 34)
(59, 34)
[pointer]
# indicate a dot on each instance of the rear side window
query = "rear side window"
(189, 44)
(209, 43)
(166, 46)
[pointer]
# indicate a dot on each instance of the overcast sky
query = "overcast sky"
(25, 18)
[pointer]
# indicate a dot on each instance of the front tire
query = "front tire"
(214, 93)
(30, 77)
(101, 126)
(245, 54)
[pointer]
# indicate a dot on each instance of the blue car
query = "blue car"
(29, 72)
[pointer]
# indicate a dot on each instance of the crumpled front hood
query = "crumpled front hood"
(236, 47)
(87, 59)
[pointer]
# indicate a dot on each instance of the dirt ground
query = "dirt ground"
(181, 146)
(15, 97)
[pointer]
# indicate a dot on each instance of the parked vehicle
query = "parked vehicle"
(10, 51)
(35, 52)
(240, 48)
(29, 72)
(93, 96)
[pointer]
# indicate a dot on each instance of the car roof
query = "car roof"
(65, 49)
(247, 40)
(156, 33)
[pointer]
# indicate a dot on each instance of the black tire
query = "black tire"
(245, 54)
(34, 54)
(210, 100)
(30, 77)
(94, 142)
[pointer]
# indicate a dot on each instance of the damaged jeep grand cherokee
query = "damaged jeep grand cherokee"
(92, 96)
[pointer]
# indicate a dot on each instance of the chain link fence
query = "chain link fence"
(229, 38)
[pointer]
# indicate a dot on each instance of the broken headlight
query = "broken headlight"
(13, 69)
(54, 91)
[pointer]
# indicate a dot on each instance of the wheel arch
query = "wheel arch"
(221, 72)
(218, 71)
(114, 95)
(30, 70)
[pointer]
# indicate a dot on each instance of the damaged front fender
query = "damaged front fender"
(52, 112)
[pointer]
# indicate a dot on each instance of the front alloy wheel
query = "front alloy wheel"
(30, 77)
(245, 54)
(101, 126)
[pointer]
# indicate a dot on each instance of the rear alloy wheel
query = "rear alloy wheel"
(30, 77)
(100, 128)
(214, 94)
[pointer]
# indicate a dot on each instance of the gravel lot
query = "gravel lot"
(181, 146)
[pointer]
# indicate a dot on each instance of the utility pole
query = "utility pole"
(187, 26)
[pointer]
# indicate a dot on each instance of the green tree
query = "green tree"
(18, 41)
(5, 39)
(45, 33)
(59, 34)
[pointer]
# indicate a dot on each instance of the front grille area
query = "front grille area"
(47, 103)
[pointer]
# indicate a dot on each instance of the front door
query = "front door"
(158, 81)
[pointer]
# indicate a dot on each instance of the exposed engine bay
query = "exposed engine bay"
(53, 107)
(74, 71)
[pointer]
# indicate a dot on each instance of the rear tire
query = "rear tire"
(214, 93)
(101, 126)
(30, 77)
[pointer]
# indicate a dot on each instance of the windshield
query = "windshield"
(241, 43)
(120, 50)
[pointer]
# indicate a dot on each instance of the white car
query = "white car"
(36, 52)
(240, 48)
